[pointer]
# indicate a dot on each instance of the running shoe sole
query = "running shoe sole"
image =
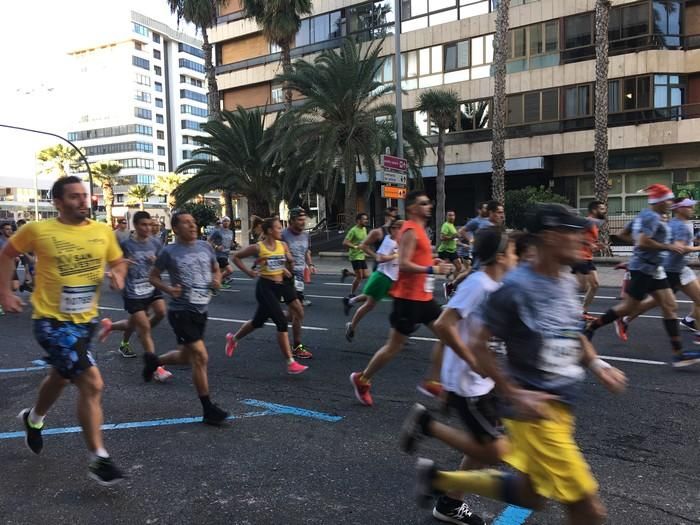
(349, 332)
(410, 432)
(685, 362)
(126, 355)
(357, 392)
(621, 334)
(102, 482)
(426, 392)
(687, 326)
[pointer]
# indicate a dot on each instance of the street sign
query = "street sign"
(392, 177)
(394, 163)
(393, 192)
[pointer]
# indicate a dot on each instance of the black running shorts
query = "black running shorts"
(583, 267)
(359, 265)
(642, 284)
(140, 305)
(406, 315)
(188, 326)
(479, 415)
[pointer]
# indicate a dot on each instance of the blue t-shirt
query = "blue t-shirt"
(142, 256)
(190, 266)
(681, 231)
(539, 319)
(649, 223)
(476, 224)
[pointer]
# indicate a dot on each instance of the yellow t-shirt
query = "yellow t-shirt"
(272, 261)
(69, 268)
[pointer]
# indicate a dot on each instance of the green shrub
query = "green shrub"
(517, 202)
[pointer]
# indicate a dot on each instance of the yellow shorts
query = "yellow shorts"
(545, 450)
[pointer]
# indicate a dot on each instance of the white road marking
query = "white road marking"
(338, 284)
(610, 298)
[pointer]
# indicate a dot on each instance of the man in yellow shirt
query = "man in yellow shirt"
(72, 252)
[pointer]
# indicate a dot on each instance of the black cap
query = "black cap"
(552, 216)
(297, 212)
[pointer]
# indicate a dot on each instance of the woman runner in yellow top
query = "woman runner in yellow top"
(272, 258)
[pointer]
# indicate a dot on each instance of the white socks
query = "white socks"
(35, 420)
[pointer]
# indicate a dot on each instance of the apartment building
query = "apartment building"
(654, 86)
(141, 101)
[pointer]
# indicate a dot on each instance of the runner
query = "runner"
(298, 243)
(27, 260)
(536, 312)
(6, 233)
(353, 239)
(72, 252)
(140, 295)
(647, 276)
(413, 298)
(193, 270)
(122, 232)
(272, 256)
(470, 395)
(584, 269)
(447, 250)
(379, 283)
(221, 240)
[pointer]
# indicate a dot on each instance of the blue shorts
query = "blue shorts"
(68, 345)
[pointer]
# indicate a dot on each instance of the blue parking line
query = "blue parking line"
(26, 369)
(513, 515)
(294, 411)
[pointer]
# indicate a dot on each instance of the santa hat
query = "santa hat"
(657, 193)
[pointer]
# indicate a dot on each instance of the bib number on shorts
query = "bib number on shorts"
(429, 285)
(298, 284)
(199, 296)
(143, 288)
(561, 356)
(77, 299)
(660, 273)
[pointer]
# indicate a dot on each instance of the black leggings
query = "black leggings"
(269, 295)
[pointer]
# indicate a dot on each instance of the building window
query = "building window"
(141, 30)
(368, 21)
(667, 15)
(159, 102)
(156, 54)
(143, 80)
(457, 56)
(193, 110)
(184, 79)
(190, 124)
(189, 64)
(186, 48)
(143, 96)
(669, 91)
(114, 131)
(159, 119)
(138, 46)
(120, 147)
(161, 166)
(533, 47)
(186, 154)
(160, 135)
(536, 106)
(136, 163)
(277, 94)
(578, 31)
(417, 14)
(161, 150)
(474, 115)
(159, 87)
(193, 95)
(143, 113)
(157, 70)
(577, 101)
(156, 38)
(140, 62)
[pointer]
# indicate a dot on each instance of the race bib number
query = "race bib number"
(561, 356)
(298, 284)
(660, 273)
(276, 263)
(199, 296)
(143, 288)
(687, 276)
(77, 299)
(429, 284)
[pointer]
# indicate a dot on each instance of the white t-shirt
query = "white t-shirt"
(456, 375)
(389, 268)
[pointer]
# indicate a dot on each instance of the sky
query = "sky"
(35, 87)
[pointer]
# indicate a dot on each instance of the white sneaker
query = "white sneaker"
(162, 375)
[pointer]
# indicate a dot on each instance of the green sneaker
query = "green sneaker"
(125, 350)
(225, 286)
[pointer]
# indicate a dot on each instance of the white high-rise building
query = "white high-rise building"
(140, 101)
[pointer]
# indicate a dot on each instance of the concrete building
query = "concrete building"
(654, 81)
(141, 101)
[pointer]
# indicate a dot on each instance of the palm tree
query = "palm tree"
(233, 159)
(140, 193)
(59, 160)
(442, 107)
(166, 184)
(202, 14)
(600, 181)
(336, 121)
(105, 174)
(498, 146)
(280, 21)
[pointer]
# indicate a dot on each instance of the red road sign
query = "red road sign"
(394, 163)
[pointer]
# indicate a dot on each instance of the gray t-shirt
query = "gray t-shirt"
(190, 266)
(539, 319)
(222, 237)
(681, 231)
(142, 255)
(298, 246)
(122, 235)
(650, 224)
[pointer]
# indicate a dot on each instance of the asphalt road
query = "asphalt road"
(320, 457)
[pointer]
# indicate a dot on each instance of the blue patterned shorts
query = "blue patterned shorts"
(68, 345)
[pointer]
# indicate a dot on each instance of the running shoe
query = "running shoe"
(105, 472)
(411, 428)
(231, 344)
(105, 329)
(686, 358)
(150, 365)
(361, 389)
(349, 332)
(214, 415)
(621, 328)
(696, 339)
(430, 388)
(344, 275)
(301, 351)
(306, 302)
(125, 350)
(161, 375)
(690, 325)
(346, 306)
(295, 368)
(225, 285)
(450, 510)
(32, 435)
(425, 474)
(26, 287)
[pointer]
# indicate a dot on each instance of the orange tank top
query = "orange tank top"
(416, 286)
(590, 237)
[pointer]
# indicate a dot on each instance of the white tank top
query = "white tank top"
(389, 268)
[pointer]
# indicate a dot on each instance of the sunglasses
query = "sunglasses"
(424, 203)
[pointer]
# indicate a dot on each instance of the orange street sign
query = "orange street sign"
(393, 192)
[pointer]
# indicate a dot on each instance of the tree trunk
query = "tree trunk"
(108, 197)
(142, 205)
(350, 191)
(228, 202)
(213, 103)
(600, 182)
(172, 203)
(287, 69)
(498, 115)
(440, 181)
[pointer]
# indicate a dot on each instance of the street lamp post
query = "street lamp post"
(398, 89)
(82, 157)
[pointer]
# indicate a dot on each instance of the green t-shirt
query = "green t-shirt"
(356, 235)
(448, 246)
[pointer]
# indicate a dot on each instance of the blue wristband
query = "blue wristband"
(429, 270)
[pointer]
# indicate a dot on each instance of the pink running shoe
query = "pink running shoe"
(105, 329)
(295, 368)
(231, 344)
(161, 375)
